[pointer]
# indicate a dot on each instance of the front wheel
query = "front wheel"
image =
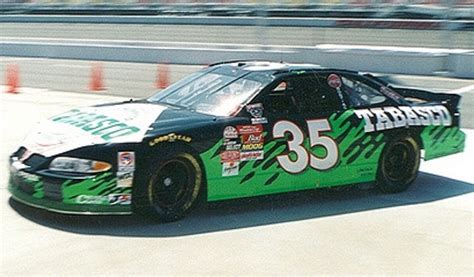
(174, 187)
(398, 165)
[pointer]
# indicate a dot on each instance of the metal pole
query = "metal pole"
(260, 30)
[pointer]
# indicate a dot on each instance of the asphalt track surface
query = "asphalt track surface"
(295, 36)
(425, 230)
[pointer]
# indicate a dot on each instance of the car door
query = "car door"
(300, 148)
(298, 133)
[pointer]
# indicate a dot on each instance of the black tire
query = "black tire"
(174, 186)
(399, 164)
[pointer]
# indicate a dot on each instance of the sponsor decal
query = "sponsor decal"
(172, 137)
(125, 169)
(230, 169)
(112, 199)
(256, 111)
(378, 119)
(251, 155)
(230, 156)
(100, 125)
(81, 127)
(230, 132)
(334, 81)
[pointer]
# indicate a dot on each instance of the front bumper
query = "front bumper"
(97, 194)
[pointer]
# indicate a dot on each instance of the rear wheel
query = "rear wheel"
(174, 186)
(398, 165)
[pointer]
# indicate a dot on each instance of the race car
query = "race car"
(233, 130)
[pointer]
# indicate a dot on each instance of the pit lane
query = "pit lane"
(427, 229)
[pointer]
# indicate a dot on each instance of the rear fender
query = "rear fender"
(439, 141)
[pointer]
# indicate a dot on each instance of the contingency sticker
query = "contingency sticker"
(256, 111)
(231, 138)
(125, 169)
(241, 143)
(230, 169)
(230, 156)
(252, 140)
(334, 81)
(112, 199)
(230, 132)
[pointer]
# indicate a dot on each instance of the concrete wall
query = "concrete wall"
(398, 60)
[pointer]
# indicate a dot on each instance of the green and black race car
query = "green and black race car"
(232, 130)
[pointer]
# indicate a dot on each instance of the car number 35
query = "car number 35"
(303, 156)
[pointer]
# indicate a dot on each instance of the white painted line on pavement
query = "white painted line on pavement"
(63, 65)
(44, 95)
(424, 78)
(463, 90)
(148, 42)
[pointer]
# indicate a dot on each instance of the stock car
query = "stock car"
(233, 130)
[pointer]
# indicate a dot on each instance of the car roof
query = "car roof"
(276, 67)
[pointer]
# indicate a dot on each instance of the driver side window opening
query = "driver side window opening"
(308, 95)
(360, 94)
(278, 100)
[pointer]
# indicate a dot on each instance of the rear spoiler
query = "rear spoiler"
(451, 101)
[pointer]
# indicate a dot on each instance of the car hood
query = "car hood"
(127, 122)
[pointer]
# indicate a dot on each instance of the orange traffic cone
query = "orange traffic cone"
(162, 76)
(13, 78)
(96, 83)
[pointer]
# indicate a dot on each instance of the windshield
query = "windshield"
(219, 92)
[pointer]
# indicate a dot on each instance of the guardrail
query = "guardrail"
(393, 60)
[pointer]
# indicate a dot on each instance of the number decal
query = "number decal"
(314, 127)
(295, 145)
